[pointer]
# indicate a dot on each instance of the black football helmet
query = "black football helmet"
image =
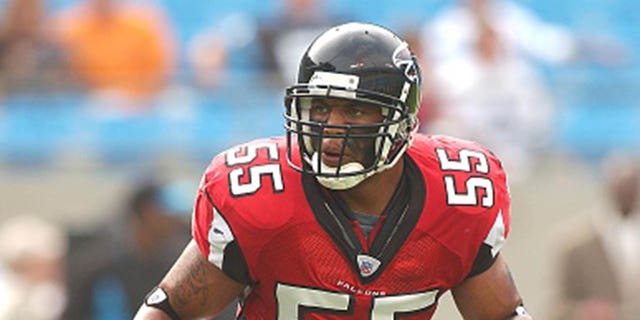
(362, 62)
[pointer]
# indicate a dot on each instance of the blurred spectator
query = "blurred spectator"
(111, 269)
(29, 61)
(492, 95)
(285, 38)
(485, 85)
(224, 54)
(207, 57)
(521, 31)
(32, 255)
(117, 47)
(600, 272)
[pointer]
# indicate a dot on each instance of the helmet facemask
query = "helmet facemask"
(379, 144)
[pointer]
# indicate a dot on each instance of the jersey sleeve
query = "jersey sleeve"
(491, 245)
(235, 213)
(214, 235)
(494, 222)
(467, 187)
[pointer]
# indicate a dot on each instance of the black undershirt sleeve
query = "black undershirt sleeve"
(484, 260)
(234, 264)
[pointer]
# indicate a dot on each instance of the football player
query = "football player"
(352, 214)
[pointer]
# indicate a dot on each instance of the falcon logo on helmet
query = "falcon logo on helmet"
(405, 60)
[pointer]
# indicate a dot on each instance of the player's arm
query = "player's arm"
(195, 289)
(490, 295)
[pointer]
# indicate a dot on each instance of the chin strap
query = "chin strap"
(343, 183)
(340, 183)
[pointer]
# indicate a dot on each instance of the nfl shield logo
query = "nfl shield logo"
(368, 265)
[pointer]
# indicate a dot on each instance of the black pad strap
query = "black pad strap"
(520, 311)
(159, 299)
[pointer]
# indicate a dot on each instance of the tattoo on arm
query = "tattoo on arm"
(197, 288)
(193, 289)
(190, 280)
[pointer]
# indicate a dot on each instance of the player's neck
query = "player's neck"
(373, 194)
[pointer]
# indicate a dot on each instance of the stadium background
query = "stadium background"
(61, 161)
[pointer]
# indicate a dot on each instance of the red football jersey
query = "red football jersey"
(288, 239)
